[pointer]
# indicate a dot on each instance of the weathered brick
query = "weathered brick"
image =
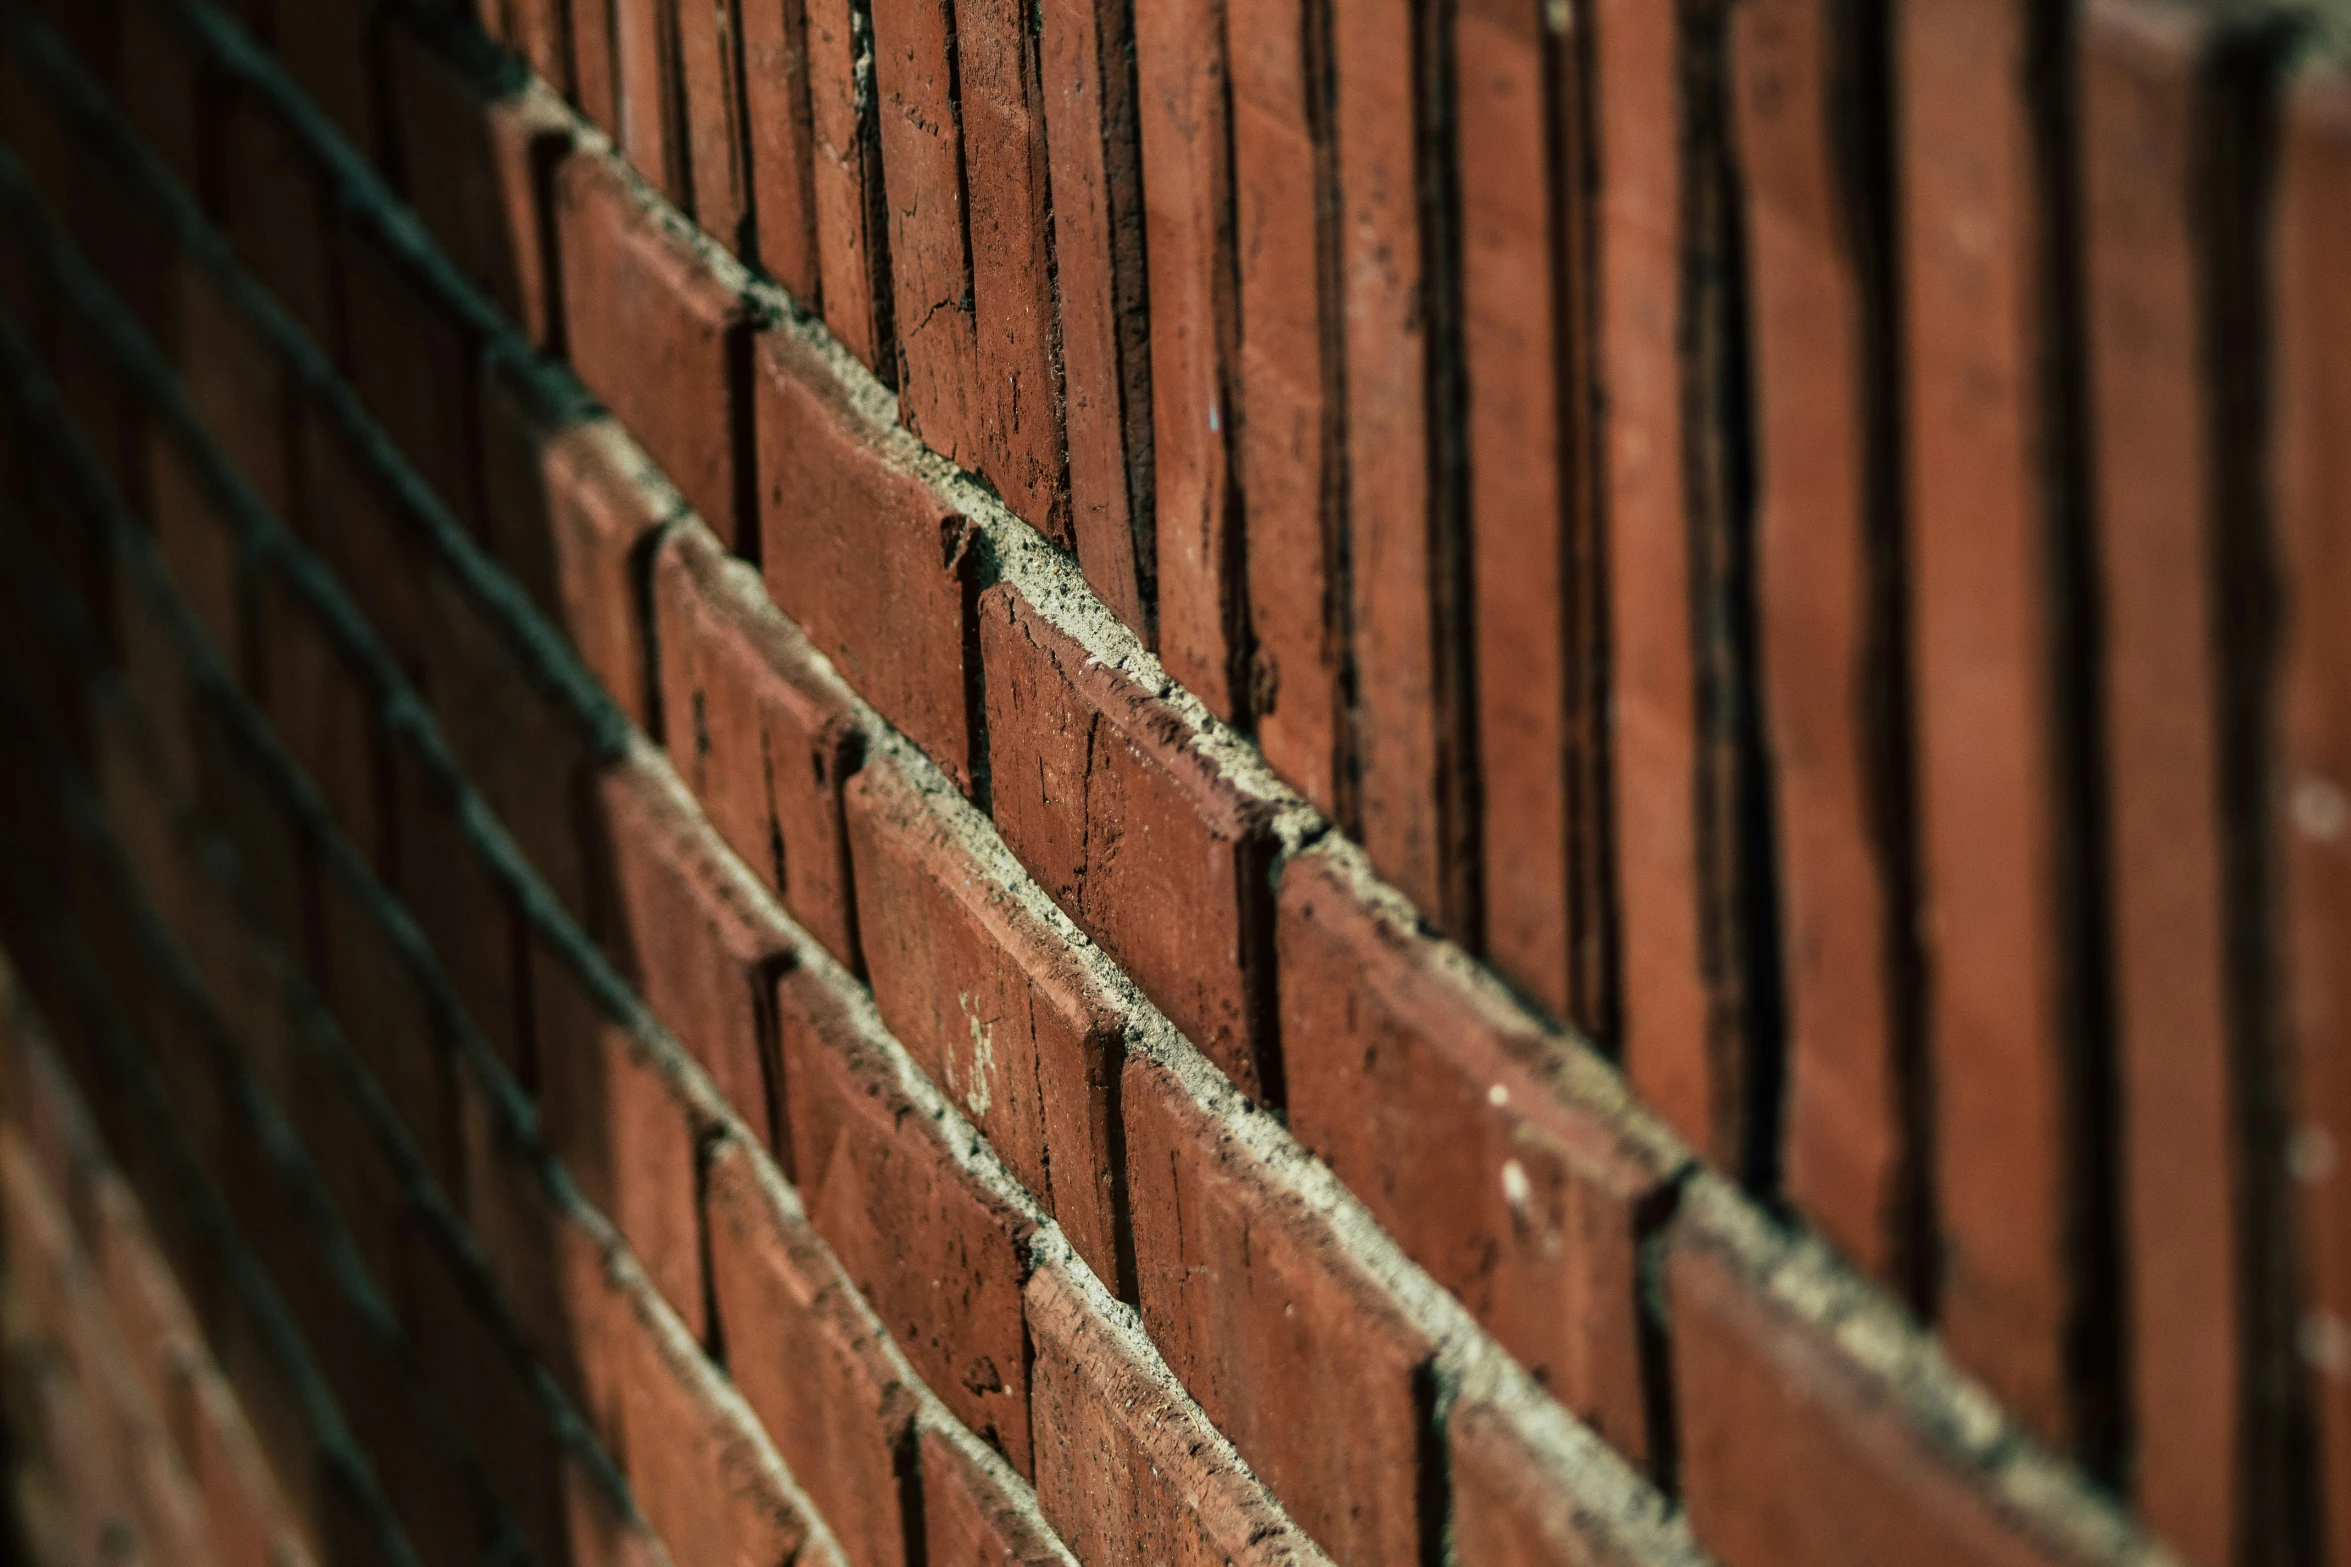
(968, 1511)
(708, 1486)
(1155, 827)
(939, 1255)
(1015, 321)
(362, 528)
(709, 71)
(2313, 487)
(810, 1360)
(1793, 1453)
(2150, 126)
(571, 504)
(864, 555)
(619, 1126)
(1086, 55)
(1525, 274)
(1992, 833)
(1031, 1043)
(1824, 632)
(655, 330)
(1291, 1347)
(595, 66)
(1287, 451)
(1395, 504)
(922, 157)
(477, 160)
(852, 227)
(649, 126)
(781, 145)
(1654, 682)
(1498, 1161)
(1129, 1471)
(759, 729)
(692, 932)
(1181, 84)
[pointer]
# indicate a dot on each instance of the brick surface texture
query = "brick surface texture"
(1175, 783)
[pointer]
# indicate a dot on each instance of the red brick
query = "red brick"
(809, 1360)
(707, 1484)
(1155, 828)
(274, 207)
(107, 408)
(1181, 86)
(781, 143)
(545, 1267)
(324, 705)
(968, 1511)
(2311, 391)
(489, 1391)
(1128, 1469)
(1823, 635)
(691, 930)
(1015, 320)
(941, 396)
(649, 130)
(1289, 1344)
(1654, 740)
(329, 47)
(571, 506)
(165, 87)
(939, 1255)
(1031, 1045)
(448, 886)
(202, 548)
(653, 328)
(392, 1023)
(361, 527)
(414, 363)
(595, 65)
(1531, 523)
(2146, 123)
(238, 385)
(619, 1126)
(864, 555)
(852, 236)
(1984, 654)
(539, 30)
(524, 744)
(1474, 1139)
(476, 162)
(1515, 1505)
(131, 241)
(245, 1517)
(1288, 437)
(1393, 499)
(1085, 49)
(761, 731)
(1792, 1453)
(710, 65)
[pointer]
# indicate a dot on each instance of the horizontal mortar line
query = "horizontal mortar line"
(1893, 1349)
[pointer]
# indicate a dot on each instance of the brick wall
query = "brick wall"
(904, 784)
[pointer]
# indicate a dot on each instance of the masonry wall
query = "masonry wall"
(909, 783)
